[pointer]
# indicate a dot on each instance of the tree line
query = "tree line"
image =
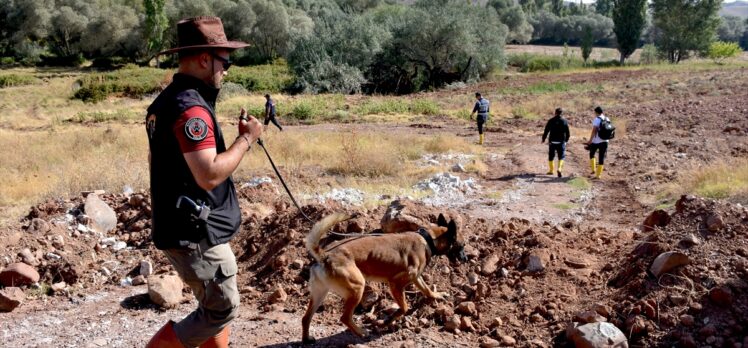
(359, 45)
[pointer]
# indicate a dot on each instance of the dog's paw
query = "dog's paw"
(308, 340)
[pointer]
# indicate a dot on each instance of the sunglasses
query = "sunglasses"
(225, 62)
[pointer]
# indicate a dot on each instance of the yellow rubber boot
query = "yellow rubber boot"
(599, 171)
(550, 168)
(480, 142)
(592, 165)
(560, 167)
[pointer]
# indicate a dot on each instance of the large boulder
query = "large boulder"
(17, 274)
(10, 298)
(668, 261)
(165, 290)
(103, 218)
(658, 218)
(597, 335)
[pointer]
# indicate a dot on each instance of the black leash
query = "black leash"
(280, 177)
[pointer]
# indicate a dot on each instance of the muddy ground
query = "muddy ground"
(589, 233)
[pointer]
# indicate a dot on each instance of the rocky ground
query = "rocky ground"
(552, 261)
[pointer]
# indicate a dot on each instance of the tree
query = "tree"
(156, 24)
(604, 7)
(629, 18)
(587, 41)
(557, 7)
(513, 16)
(684, 25)
(731, 29)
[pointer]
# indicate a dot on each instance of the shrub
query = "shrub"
(302, 111)
(542, 64)
(527, 62)
(230, 89)
(606, 63)
(719, 51)
(424, 107)
(275, 77)
(131, 82)
(7, 61)
(649, 54)
(13, 80)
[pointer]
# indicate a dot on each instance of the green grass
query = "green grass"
(267, 78)
(106, 116)
(565, 206)
(579, 183)
(524, 113)
(13, 80)
(132, 81)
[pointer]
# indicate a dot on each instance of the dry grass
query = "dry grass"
(717, 180)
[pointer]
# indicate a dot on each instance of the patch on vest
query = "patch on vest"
(196, 129)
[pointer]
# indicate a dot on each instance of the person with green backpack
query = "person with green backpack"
(602, 132)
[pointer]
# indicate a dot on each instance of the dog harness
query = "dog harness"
(429, 240)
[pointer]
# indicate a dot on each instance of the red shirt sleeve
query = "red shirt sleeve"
(194, 130)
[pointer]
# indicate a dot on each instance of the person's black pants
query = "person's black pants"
(275, 122)
(481, 120)
(554, 149)
(603, 148)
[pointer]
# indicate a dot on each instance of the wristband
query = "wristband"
(249, 144)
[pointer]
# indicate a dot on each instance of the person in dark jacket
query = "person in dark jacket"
(194, 202)
(557, 132)
(270, 113)
(482, 107)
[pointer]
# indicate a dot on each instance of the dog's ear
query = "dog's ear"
(441, 221)
(451, 233)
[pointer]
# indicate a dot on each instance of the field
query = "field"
(681, 130)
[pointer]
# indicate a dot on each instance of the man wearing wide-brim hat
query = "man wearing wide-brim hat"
(194, 203)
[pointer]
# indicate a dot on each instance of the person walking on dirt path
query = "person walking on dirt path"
(270, 113)
(596, 144)
(482, 107)
(194, 202)
(558, 129)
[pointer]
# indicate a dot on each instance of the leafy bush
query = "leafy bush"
(542, 64)
(303, 111)
(606, 63)
(275, 77)
(133, 82)
(382, 106)
(230, 89)
(719, 51)
(13, 80)
(649, 54)
(424, 107)
(7, 61)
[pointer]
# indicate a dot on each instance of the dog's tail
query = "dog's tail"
(320, 230)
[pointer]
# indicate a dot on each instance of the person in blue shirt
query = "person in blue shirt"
(482, 108)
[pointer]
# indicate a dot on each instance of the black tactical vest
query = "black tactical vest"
(171, 177)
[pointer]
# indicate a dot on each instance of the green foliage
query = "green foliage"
(5, 61)
(102, 116)
(587, 41)
(629, 17)
(684, 25)
(303, 111)
(542, 88)
(719, 51)
(156, 24)
(131, 82)
(513, 16)
(731, 29)
(382, 106)
(275, 77)
(552, 29)
(13, 80)
(604, 7)
(424, 107)
(649, 54)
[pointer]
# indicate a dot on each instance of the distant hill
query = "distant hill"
(737, 8)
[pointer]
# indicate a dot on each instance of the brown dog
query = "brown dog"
(396, 259)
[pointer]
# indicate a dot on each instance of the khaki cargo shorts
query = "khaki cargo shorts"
(211, 274)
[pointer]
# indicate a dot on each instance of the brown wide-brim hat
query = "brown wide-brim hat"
(202, 32)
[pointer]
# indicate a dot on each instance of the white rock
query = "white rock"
(597, 335)
(146, 268)
(119, 246)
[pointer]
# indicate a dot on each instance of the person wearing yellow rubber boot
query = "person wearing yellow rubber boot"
(557, 132)
(597, 144)
(482, 108)
(195, 207)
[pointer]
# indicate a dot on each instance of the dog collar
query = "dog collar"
(429, 240)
